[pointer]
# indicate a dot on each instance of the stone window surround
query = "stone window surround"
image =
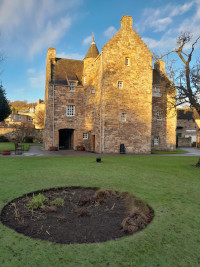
(156, 140)
(123, 116)
(85, 135)
(70, 110)
(156, 91)
(72, 86)
(120, 84)
(159, 116)
(127, 61)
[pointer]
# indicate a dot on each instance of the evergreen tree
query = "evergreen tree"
(4, 107)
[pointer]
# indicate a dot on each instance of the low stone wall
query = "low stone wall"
(184, 142)
(9, 132)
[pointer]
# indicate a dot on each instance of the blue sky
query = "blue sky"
(29, 27)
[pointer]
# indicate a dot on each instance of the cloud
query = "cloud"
(166, 20)
(161, 24)
(159, 19)
(110, 32)
(35, 24)
(31, 71)
(50, 35)
(180, 10)
(163, 44)
(19, 91)
(38, 80)
(70, 56)
(87, 40)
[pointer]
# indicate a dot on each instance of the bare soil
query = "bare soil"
(88, 215)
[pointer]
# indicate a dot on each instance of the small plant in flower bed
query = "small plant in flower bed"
(58, 202)
(37, 202)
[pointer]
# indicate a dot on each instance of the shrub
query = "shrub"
(58, 202)
(3, 138)
(102, 194)
(28, 139)
(37, 202)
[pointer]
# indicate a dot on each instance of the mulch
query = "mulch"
(88, 215)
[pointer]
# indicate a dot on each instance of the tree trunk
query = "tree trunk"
(198, 163)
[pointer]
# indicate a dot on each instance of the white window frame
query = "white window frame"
(156, 140)
(85, 136)
(19, 117)
(120, 84)
(70, 110)
(72, 86)
(156, 91)
(123, 116)
(127, 61)
(158, 116)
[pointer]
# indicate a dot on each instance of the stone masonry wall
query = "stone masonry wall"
(134, 99)
(163, 114)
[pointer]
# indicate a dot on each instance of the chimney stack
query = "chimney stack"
(160, 65)
(127, 23)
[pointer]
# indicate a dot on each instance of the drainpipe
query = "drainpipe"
(53, 113)
(101, 88)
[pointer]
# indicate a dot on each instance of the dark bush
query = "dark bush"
(28, 139)
(3, 138)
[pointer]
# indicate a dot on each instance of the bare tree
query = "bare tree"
(23, 131)
(38, 119)
(186, 80)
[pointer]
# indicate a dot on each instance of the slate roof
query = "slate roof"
(183, 114)
(93, 51)
(158, 78)
(67, 69)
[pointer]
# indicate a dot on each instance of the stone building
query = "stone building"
(20, 117)
(110, 99)
(188, 127)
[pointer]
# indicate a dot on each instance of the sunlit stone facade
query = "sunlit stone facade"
(105, 101)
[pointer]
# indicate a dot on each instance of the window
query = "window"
(127, 61)
(70, 111)
(30, 119)
(123, 116)
(19, 117)
(93, 91)
(120, 84)
(85, 135)
(158, 116)
(156, 92)
(156, 141)
(72, 87)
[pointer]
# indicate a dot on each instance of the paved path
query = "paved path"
(192, 151)
(36, 151)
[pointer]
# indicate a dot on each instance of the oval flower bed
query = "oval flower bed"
(77, 215)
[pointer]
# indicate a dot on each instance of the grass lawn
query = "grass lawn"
(11, 146)
(177, 151)
(170, 185)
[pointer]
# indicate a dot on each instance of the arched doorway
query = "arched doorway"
(66, 139)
